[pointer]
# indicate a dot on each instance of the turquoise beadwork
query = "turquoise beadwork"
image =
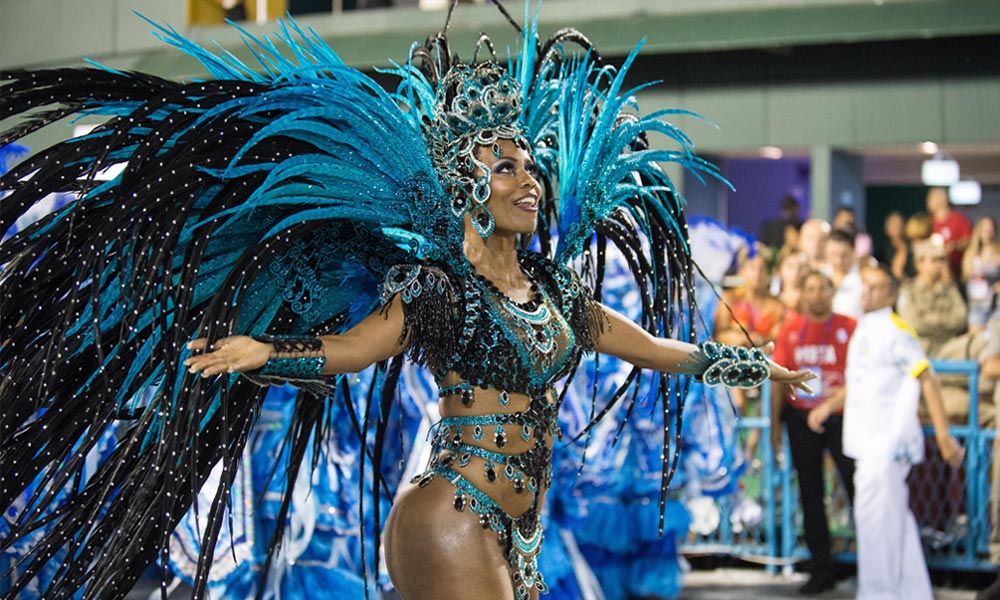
(293, 358)
(523, 547)
(719, 364)
(293, 368)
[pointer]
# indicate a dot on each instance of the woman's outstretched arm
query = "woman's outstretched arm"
(625, 340)
(375, 338)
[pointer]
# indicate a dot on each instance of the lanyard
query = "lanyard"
(827, 327)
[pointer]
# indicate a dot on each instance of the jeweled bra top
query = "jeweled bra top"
(467, 326)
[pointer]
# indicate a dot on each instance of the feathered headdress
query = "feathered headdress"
(475, 105)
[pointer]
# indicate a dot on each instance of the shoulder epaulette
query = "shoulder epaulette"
(903, 325)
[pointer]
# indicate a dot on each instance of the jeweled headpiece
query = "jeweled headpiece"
(476, 105)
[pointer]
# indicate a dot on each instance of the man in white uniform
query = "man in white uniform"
(886, 371)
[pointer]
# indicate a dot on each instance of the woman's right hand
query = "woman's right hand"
(228, 355)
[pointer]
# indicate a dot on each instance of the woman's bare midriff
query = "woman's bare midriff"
(502, 490)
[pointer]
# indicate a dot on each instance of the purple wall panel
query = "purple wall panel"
(760, 185)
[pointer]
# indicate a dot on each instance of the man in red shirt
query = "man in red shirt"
(955, 230)
(816, 340)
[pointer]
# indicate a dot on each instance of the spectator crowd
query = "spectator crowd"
(929, 293)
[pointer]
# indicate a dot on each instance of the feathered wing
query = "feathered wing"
(246, 204)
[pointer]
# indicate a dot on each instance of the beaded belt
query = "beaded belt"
(465, 389)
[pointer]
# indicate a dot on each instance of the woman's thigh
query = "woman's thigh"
(434, 551)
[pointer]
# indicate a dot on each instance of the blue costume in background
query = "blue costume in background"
(611, 505)
(713, 458)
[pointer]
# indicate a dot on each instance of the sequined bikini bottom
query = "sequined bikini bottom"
(521, 537)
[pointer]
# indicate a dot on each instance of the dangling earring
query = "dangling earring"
(459, 204)
(482, 218)
(482, 221)
(481, 190)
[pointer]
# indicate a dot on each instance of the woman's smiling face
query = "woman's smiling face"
(514, 191)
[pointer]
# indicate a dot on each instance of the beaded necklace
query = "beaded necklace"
(534, 320)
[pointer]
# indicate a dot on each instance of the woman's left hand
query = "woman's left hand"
(780, 374)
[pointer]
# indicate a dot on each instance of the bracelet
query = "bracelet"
(292, 357)
(715, 364)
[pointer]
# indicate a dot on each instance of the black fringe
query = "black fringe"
(428, 318)
(67, 351)
(588, 322)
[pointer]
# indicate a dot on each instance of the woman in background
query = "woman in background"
(981, 272)
(896, 254)
(791, 269)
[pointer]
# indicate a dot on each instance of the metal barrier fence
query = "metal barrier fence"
(951, 505)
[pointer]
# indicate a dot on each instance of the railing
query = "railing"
(964, 542)
(951, 505)
(764, 543)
